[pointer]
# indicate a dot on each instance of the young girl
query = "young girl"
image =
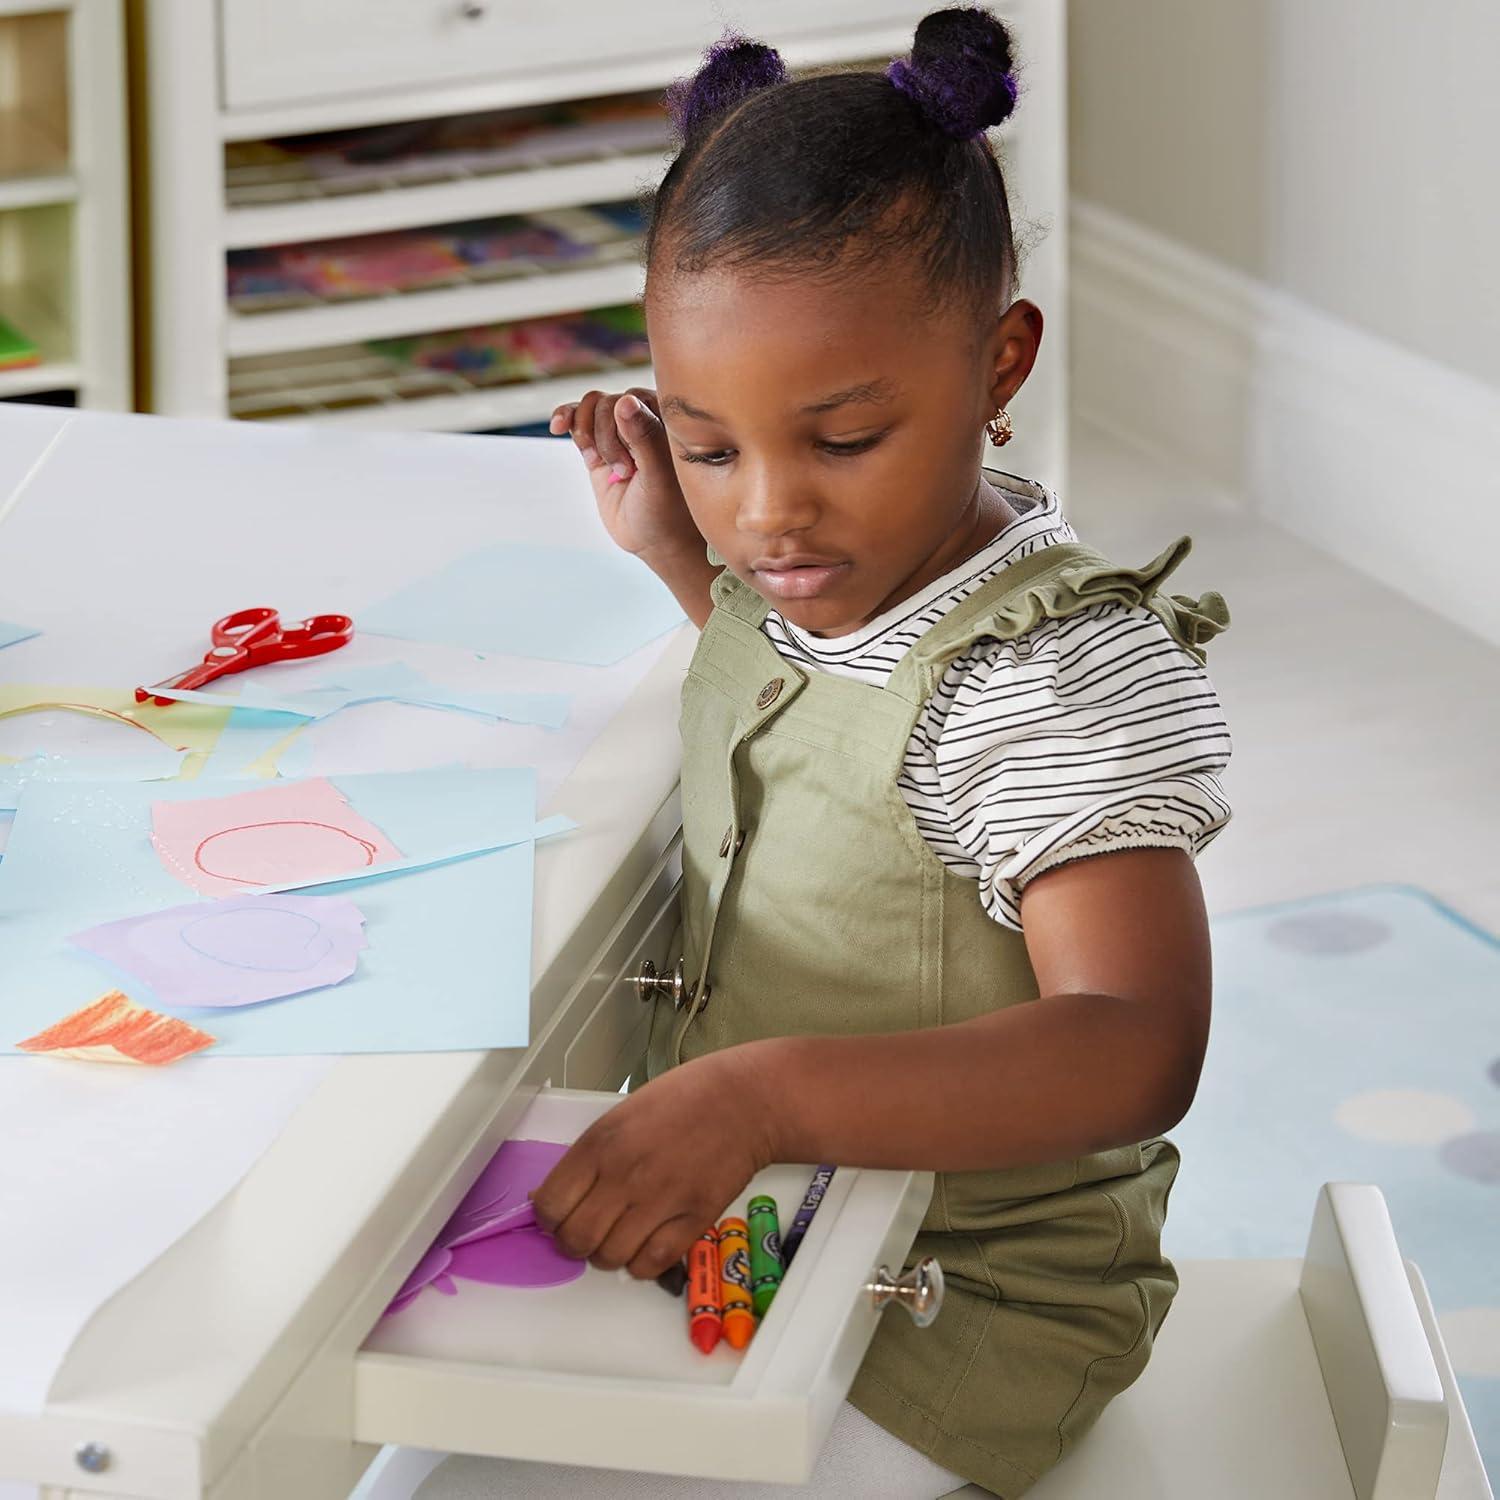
(944, 771)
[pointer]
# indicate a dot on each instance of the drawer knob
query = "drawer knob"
(473, 10)
(919, 1291)
(649, 984)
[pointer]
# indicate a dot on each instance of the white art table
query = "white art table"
(203, 1337)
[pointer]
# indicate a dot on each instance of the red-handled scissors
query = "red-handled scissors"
(253, 638)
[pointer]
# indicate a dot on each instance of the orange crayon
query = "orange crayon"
(734, 1281)
(705, 1316)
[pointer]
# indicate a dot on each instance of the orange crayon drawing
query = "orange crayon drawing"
(115, 1029)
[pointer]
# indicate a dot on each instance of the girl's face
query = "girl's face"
(828, 437)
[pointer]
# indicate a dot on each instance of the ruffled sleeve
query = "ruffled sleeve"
(1085, 735)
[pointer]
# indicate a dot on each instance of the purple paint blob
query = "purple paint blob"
(492, 1235)
(510, 1176)
(431, 1270)
(516, 1257)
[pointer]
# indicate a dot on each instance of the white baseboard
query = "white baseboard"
(1385, 458)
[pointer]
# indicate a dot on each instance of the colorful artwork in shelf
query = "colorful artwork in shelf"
(17, 352)
(456, 146)
(535, 350)
(413, 260)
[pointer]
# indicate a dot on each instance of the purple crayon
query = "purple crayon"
(804, 1215)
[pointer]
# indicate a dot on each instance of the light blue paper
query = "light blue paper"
(405, 684)
(558, 603)
(449, 962)
(157, 763)
(394, 682)
(549, 828)
(248, 735)
(10, 634)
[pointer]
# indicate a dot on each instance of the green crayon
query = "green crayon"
(765, 1253)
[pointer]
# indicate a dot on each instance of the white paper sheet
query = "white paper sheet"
(77, 1228)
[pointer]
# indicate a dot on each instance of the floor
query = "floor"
(1365, 728)
(1365, 725)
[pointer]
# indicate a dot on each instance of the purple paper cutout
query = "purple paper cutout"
(518, 1216)
(515, 1257)
(431, 1270)
(238, 951)
(492, 1235)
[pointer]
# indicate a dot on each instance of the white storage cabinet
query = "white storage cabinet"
(255, 70)
(64, 234)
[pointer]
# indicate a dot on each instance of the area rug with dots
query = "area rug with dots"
(1356, 1038)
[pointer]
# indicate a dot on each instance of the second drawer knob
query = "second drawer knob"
(919, 1291)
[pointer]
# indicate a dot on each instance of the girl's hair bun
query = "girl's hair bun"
(959, 73)
(733, 68)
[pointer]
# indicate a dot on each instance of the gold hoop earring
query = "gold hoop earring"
(999, 428)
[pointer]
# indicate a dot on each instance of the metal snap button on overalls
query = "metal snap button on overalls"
(731, 840)
(770, 692)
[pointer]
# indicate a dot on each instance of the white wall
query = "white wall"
(1344, 151)
(1285, 268)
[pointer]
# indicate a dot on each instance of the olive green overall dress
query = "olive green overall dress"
(812, 904)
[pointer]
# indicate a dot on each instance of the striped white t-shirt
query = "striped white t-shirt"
(1084, 735)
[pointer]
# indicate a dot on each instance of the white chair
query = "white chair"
(1319, 1379)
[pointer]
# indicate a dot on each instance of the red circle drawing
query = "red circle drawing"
(262, 865)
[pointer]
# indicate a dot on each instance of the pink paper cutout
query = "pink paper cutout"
(492, 1235)
(239, 951)
(297, 830)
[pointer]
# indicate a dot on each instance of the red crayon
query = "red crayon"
(705, 1314)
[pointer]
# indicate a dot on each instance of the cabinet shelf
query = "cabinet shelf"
(34, 168)
(354, 387)
(396, 205)
(403, 313)
(58, 370)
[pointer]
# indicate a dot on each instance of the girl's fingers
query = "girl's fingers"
(563, 1189)
(561, 420)
(647, 397)
(624, 1237)
(641, 427)
(607, 437)
(583, 427)
(664, 1246)
(582, 1232)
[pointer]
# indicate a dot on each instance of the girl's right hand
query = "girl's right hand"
(624, 446)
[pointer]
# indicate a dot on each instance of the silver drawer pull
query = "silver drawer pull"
(919, 1291)
(649, 984)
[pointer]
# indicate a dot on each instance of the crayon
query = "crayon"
(765, 1253)
(673, 1279)
(734, 1281)
(705, 1311)
(804, 1215)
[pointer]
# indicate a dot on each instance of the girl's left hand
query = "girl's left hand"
(647, 1178)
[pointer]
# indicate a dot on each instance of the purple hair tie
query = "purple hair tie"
(962, 105)
(732, 68)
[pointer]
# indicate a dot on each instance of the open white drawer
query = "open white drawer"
(601, 1371)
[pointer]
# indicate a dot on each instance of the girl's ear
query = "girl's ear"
(1012, 348)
